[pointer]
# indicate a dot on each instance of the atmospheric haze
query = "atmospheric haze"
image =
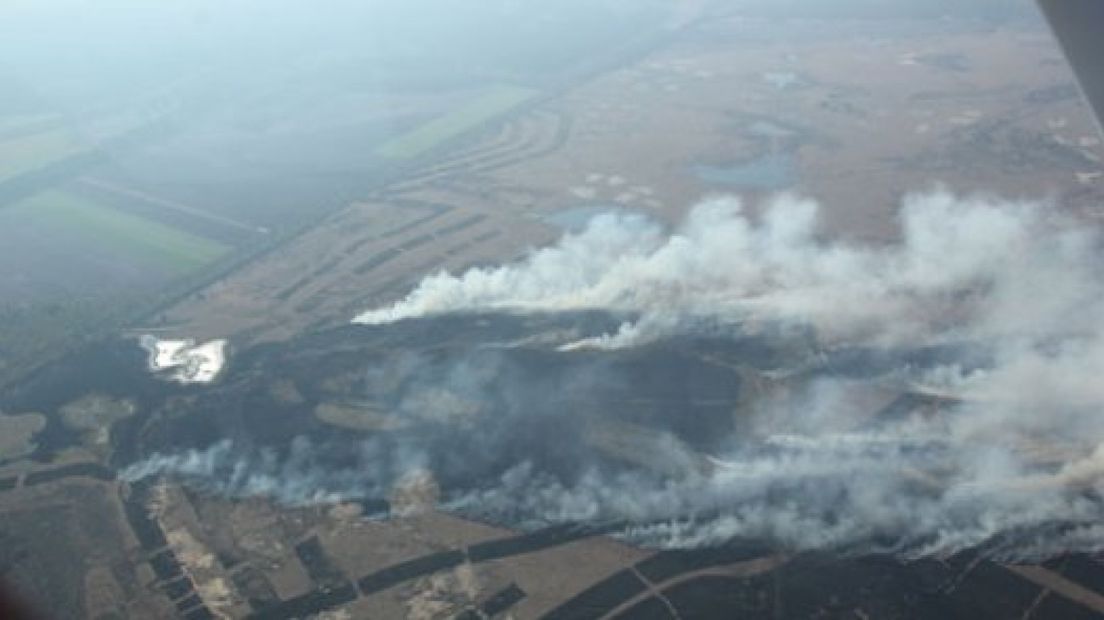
(759, 307)
(1012, 461)
(82, 55)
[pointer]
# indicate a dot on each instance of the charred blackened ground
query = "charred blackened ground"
(466, 398)
(448, 411)
(477, 403)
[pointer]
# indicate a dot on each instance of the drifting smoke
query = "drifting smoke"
(984, 267)
(1012, 458)
(297, 479)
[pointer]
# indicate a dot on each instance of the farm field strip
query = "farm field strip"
(30, 152)
(170, 204)
(495, 102)
(139, 237)
(16, 125)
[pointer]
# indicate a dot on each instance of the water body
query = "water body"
(772, 172)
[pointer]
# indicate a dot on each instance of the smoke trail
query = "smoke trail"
(998, 273)
(857, 491)
(1009, 454)
(961, 263)
(299, 478)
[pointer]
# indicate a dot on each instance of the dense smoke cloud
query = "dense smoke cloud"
(963, 268)
(1010, 456)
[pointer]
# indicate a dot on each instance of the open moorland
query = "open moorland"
(275, 215)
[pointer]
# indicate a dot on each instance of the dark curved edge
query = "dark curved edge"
(1079, 28)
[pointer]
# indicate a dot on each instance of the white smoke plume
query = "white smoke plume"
(1012, 276)
(1009, 456)
(296, 479)
(963, 265)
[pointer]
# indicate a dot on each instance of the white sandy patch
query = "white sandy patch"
(183, 360)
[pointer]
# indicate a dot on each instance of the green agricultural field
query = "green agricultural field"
(133, 236)
(33, 151)
(22, 124)
(495, 102)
